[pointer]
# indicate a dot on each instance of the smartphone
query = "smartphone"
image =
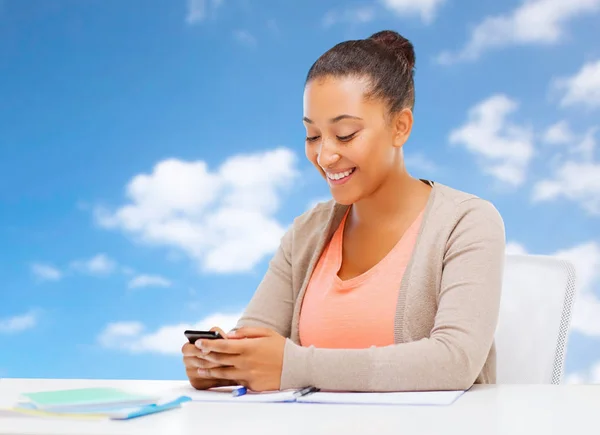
(192, 336)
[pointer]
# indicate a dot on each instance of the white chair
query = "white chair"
(535, 317)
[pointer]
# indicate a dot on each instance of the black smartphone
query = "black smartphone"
(192, 336)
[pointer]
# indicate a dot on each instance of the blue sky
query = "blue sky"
(151, 154)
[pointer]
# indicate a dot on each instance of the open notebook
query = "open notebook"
(431, 398)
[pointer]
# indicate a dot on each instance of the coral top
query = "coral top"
(358, 312)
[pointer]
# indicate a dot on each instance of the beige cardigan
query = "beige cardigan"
(447, 307)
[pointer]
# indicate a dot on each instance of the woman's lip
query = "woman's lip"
(342, 180)
(339, 171)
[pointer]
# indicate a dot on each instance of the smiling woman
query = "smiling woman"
(394, 285)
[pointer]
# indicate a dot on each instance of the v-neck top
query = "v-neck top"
(358, 312)
(446, 309)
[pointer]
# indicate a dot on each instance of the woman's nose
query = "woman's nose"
(327, 155)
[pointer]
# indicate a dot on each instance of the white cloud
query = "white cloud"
(167, 340)
(591, 376)
(100, 264)
(585, 258)
(126, 270)
(587, 145)
(46, 272)
(273, 26)
(514, 248)
(223, 219)
(576, 178)
(579, 182)
(149, 281)
(118, 333)
(352, 15)
(504, 149)
(426, 9)
(312, 204)
(533, 22)
(197, 10)
(581, 89)
(244, 37)
(420, 163)
(559, 134)
(18, 323)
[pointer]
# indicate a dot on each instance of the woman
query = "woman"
(394, 285)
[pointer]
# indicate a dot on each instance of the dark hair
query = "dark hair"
(386, 59)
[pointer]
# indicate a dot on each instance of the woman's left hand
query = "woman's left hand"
(253, 357)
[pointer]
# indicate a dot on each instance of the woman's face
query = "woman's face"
(350, 139)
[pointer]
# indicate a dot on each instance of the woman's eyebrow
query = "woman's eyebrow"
(334, 120)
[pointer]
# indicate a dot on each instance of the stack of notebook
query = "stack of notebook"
(94, 403)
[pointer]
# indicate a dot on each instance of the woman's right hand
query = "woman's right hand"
(192, 360)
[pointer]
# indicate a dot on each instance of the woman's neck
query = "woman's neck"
(400, 195)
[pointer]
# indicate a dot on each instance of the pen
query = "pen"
(239, 391)
(305, 391)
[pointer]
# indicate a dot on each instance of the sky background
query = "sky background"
(152, 154)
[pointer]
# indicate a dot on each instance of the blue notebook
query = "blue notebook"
(86, 398)
(95, 403)
(112, 412)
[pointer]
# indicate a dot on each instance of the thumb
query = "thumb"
(249, 332)
(219, 330)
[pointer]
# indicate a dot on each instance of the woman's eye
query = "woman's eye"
(312, 138)
(346, 138)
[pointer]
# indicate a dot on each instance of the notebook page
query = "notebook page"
(224, 395)
(432, 398)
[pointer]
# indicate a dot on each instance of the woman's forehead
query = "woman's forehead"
(331, 97)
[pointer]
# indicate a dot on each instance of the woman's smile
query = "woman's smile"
(340, 177)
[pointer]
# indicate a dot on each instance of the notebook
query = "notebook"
(85, 398)
(110, 412)
(93, 403)
(426, 398)
(430, 398)
(225, 395)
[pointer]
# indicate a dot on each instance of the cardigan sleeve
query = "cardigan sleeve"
(454, 353)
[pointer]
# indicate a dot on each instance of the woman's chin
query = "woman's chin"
(344, 199)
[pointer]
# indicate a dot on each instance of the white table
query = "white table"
(484, 410)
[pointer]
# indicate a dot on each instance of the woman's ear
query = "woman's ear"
(402, 123)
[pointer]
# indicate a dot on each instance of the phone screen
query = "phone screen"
(192, 336)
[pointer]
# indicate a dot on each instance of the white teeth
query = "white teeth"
(340, 175)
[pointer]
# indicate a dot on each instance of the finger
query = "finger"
(230, 373)
(219, 330)
(214, 329)
(249, 332)
(198, 363)
(204, 383)
(191, 350)
(233, 347)
(221, 359)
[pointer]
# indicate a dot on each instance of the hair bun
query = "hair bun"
(398, 44)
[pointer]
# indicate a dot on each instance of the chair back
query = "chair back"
(535, 317)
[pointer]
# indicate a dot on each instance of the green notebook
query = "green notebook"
(86, 398)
